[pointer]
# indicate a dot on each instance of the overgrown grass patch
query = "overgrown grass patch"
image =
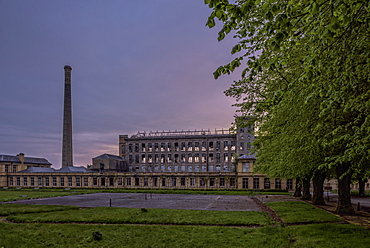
(24, 194)
(300, 212)
(73, 235)
(9, 209)
(108, 215)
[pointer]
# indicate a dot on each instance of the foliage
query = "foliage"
(305, 81)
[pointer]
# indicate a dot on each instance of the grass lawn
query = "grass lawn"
(108, 215)
(11, 209)
(73, 235)
(22, 194)
(300, 212)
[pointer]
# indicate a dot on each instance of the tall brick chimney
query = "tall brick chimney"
(67, 153)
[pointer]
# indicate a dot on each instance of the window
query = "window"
(137, 158)
(156, 158)
(289, 184)
(241, 147)
(169, 146)
(190, 158)
(233, 143)
(196, 146)
(86, 181)
(218, 145)
(277, 183)
(176, 158)
(47, 181)
(245, 167)
(212, 182)
(136, 147)
(183, 160)
(232, 182)
(204, 146)
(182, 181)
(102, 181)
(163, 182)
(226, 157)
(150, 158)
(24, 181)
(18, 181)
(210, 157)
(129, 147)
(6, 168)
(130, 159)
(62, 182)
(143, 158)
(226, 145)
(266, 183)
(163, 146)
(218, 157)
(150, 147)
(128, 181)
(69, 181)
(163, 158)
(120, 181)
(95, 181)
(222, 182)
(174, 182)
(169, 158)
(182, 146)
(256, 183)
(39, 181)
(146, 181)
(155, 181)
(32, 181)
(176, 146)
(156, 147)
(143, 147)
(54, 181)
(210, 146)
(203, 157)
(245, 183)
(78, 181)
(192, 181)
(14, 168)
(123, 149)
(111, 181)
(190, 146)
(11, 183)
(201, 181)
(218, 168)
(196, 158)
(137, 181)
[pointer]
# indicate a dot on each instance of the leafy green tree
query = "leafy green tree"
(305, 81)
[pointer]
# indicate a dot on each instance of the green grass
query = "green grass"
(23, 194)
(11, 209)
(151, 216)
(300, 212)
(73, 235)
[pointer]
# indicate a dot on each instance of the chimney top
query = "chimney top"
(67, 67)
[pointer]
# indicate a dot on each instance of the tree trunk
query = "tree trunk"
(361, 186)
(298, 188)
(306, 189)
(344, 205)
(318, 188)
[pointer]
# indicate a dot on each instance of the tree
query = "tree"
(307, 60)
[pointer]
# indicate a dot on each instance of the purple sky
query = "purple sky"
(136, 66)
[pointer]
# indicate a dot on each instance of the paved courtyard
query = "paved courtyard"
(142, 200)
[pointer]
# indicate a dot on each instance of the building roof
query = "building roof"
(37, 170)
(27, 160)
(108, 156)
(73, 169)
(247, 157)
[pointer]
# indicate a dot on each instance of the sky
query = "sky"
(142, 65)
